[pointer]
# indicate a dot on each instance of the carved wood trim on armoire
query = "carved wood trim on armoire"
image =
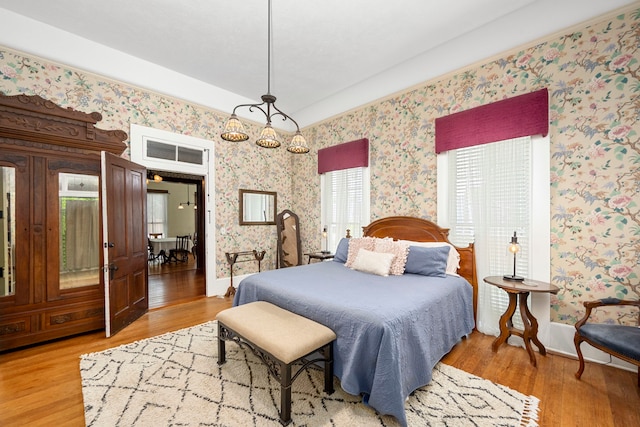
(42, 146)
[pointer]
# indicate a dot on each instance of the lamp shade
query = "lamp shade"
(234, 131)
(268, 137)
(298, 144)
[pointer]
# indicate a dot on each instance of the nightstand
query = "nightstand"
(321, 256)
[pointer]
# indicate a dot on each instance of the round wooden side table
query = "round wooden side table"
(519, 292)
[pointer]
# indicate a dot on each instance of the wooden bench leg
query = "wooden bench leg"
(222, 357)
(327, 352)
(285, 393)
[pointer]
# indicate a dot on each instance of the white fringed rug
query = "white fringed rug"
(174, 380)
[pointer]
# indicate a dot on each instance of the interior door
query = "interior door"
(124, 207)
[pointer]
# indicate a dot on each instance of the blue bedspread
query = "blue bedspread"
(391, 330)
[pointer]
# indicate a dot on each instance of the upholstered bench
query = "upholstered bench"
(279, 338)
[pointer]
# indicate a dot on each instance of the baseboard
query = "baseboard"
(561, 342)
(222, 284)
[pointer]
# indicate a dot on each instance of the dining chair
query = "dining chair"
(180, 252)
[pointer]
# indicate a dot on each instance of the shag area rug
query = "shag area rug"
(174, 380)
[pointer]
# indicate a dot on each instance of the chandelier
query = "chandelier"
(188, 202)
(234, 131)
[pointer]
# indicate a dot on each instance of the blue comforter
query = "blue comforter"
(391, 330)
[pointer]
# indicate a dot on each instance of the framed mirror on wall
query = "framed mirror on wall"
(258, 207)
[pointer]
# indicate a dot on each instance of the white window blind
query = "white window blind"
(489, 198)
(345, 203)
(157, 213)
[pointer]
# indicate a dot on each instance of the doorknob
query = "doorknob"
(112, 269)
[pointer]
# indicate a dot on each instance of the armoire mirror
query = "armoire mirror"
(258, 207)
(7, 231)
(80, 231)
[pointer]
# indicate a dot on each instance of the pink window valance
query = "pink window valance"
(522, 115)
(352, 154)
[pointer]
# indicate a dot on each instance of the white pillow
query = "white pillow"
(373, 262)
(453, 262)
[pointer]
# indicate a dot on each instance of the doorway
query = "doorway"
(184, 159)
(172, 210)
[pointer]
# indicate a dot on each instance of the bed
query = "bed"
(391, 330)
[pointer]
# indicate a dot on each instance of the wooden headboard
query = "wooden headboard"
(421, 230)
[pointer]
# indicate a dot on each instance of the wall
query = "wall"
(237, 165)
(593, 77)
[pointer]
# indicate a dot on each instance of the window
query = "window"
(157, 212)
(345, 203)
(488, 191)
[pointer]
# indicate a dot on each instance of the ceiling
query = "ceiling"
(328, 56)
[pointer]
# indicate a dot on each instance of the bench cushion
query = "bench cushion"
(286, 335)
(621, 339)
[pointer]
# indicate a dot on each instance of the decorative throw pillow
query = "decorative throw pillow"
(342, 251)
(357, 243)
(398, 249)
(453, 261)
(373, 262)
(428, 261)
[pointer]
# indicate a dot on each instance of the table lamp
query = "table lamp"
(514, 248)
(325, 236)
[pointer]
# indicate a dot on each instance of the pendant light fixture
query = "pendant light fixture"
(234, 130)
(188, 203)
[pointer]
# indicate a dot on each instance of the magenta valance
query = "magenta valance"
(522, 115)
(354, 154)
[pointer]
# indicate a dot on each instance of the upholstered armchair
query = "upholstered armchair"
(620, 341)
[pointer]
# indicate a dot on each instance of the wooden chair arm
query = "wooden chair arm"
(590, 305)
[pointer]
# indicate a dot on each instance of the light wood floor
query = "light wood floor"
(40, 386)
(175, 283)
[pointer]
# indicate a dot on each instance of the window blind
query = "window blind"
(345, 202)
(490, 198)
(157, 212)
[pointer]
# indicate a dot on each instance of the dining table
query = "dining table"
(162, 245)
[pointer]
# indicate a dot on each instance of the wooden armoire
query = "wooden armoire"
(52, 225)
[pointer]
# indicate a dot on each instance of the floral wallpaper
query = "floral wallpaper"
(593, 76)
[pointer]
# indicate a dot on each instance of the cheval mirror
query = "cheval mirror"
(288, 233)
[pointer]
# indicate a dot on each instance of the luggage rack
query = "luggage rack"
(232, 258)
